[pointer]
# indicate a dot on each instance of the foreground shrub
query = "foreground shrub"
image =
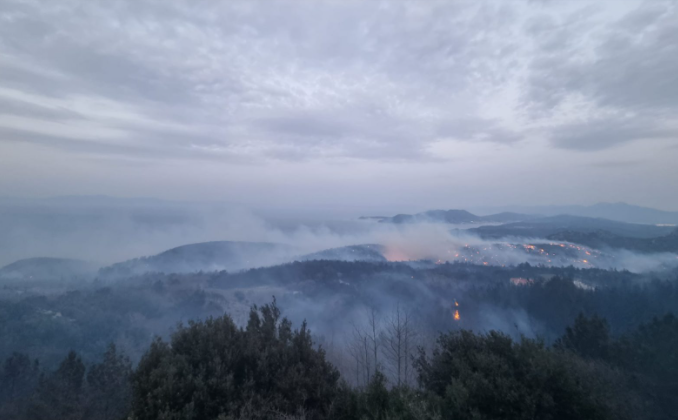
(213, 369)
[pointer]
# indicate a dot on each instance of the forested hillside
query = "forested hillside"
(268, 369)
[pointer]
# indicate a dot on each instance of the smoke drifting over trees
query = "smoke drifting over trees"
(379, 307)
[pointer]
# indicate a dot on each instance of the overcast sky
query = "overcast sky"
(375, 105)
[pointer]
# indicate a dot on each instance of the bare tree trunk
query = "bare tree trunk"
(397, 338)
(375, 337)
(393, 344)
(357, 372)
(359, 349)
(406, 345)
(367, 361)
(398, 342)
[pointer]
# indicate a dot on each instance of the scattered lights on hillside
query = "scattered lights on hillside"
(499, 254)
(505, 254)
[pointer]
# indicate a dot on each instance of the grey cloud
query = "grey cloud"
(639, 71)
(607, 132)
(89, 69)
(477, 129)
(20, 77)
(616, 164)
(628, 67)
(357, 133)
(306, 126)
(633, 64)
(301, 80)
(306, 80)
(14, 107)
(168, 146)
(68, 143)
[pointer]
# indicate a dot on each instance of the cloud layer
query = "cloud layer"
(250, 83)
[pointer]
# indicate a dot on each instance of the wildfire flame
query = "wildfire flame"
(456, 311)
(395, 254)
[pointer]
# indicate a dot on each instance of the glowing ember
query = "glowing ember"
(456, 315)
(499, 254)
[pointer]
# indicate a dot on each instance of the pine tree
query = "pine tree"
(109, 386)
(60, 395)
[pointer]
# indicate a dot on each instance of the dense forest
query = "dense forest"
(348, 335)
(47, 324)
(214, 369)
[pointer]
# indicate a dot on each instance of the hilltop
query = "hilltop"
(451, 217)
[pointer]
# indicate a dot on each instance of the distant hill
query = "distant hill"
(44, 268)
(205, 256)
(603, 239)
(233, 256)
(621, 212)
(370, 253)
(453, 217)
(547, 226)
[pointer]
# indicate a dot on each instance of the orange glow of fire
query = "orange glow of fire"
(456, 315)
(394, 254)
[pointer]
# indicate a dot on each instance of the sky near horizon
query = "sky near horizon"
(342, 104)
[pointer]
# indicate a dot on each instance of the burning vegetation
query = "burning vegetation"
(506, 254)
(455, 313)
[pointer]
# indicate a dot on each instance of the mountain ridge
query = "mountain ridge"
(618, 211)
(451, 216)
(48, 268)
(203, 256)
(546, 226)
